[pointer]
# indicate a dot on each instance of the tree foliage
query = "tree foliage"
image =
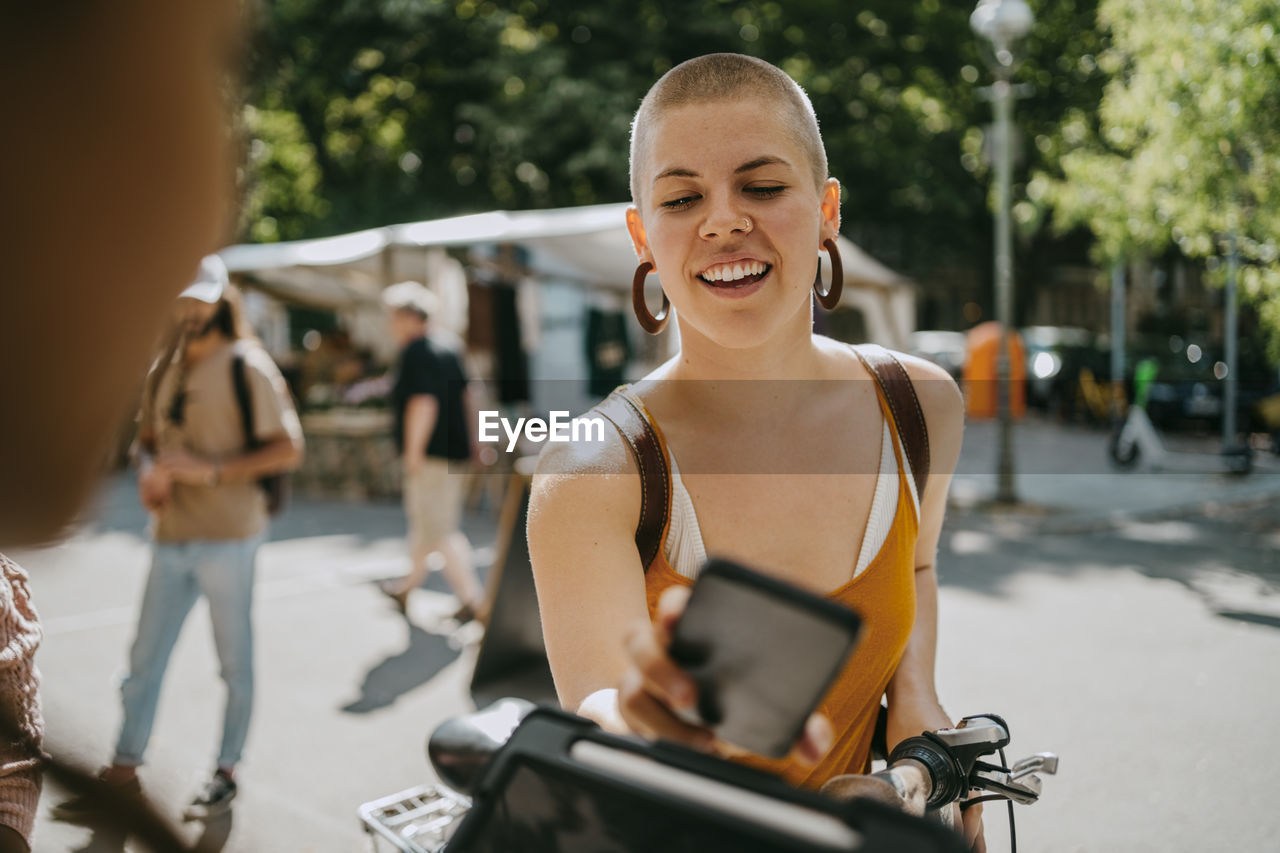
(1184, 149)
(364, 112)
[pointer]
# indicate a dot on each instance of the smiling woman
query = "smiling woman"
(713, 452)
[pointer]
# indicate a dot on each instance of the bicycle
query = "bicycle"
(514, 771)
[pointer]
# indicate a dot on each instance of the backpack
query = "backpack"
(275, 486)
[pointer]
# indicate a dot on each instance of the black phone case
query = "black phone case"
(762, 652)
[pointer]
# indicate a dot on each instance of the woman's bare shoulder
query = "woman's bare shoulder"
(940, 399)
(939, 395)
(590, 480)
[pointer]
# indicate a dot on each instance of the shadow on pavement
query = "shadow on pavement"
(104, 841)
(1225, 555)
(216, 834)
(424, 657)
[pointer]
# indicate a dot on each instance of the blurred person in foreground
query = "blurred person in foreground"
(735, 224)
(433, 426)
(199, 476)
(108, 207)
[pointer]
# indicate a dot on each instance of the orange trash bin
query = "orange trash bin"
(982, 346)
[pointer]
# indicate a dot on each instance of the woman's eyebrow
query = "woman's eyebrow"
(676, 172)
(759, 162)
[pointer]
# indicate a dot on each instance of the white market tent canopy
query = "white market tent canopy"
(588, 245)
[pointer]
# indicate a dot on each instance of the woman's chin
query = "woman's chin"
(742, 331)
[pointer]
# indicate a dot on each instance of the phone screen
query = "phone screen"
(762, 652)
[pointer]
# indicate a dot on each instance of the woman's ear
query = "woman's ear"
(639, 240)
(830, 227)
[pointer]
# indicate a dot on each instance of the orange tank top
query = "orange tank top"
(884, 594)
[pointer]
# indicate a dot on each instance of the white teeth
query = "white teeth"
(734, 272)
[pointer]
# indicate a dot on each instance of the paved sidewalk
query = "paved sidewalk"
(1106, 648)
(1066, 483)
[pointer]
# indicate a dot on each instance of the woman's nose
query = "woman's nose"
(724, 220)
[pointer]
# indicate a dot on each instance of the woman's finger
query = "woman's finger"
(973, 836)
(659, 675)
(815, 742)
(645, 715)
(671, 606)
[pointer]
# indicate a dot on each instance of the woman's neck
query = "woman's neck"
(791, 353)
(199, 349)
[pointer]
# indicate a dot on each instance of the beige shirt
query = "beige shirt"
(210, 426)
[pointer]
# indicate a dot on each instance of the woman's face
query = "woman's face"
(732, 220)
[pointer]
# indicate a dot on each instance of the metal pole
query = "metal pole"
(1117, 337)
(1005, 492)
(1229, 345)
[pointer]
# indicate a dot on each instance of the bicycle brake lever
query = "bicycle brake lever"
(1041, 762)
(1025, 790)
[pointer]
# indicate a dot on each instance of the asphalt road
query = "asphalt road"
(1144, 652)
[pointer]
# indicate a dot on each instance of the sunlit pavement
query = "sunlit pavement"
(1140, 644)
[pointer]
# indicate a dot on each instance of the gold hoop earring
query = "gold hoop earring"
(831, 298)
(648, 322)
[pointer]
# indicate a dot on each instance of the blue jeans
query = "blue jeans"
(223, 571)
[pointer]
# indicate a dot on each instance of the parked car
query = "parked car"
(945, 349)
(1056, 358)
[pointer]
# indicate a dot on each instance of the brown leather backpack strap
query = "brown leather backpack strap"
(655, 480)
(896, 386)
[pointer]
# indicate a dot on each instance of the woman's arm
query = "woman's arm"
(609, 661)
(912, 694)
(590, 583)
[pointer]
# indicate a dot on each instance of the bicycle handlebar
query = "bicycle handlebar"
(952, 758)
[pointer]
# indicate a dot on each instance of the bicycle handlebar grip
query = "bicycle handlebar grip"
(460, 747)
(945, 772)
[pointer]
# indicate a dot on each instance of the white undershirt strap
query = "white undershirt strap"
(686, 552)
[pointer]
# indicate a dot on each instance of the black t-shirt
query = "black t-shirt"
(428, 368)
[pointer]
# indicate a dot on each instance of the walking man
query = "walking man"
(199, 478)
(433, 428)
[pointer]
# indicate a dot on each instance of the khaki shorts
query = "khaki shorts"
(433, 502)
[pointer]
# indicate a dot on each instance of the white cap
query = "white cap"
(413, 295)
(210, 281)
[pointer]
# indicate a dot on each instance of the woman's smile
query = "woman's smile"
(736, 278)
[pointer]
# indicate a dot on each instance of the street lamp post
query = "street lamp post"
(1003, 23)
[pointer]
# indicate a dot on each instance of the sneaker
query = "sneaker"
(214, 800)
(94, 808)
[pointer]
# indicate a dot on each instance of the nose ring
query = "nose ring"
(745, 222)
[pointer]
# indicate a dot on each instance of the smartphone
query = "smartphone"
(762, 652)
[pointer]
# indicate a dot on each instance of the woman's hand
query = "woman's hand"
(654, 688)
(155, 487)
(909, 717)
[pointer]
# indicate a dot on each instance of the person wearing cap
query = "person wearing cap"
(432, 432)
(200, 484)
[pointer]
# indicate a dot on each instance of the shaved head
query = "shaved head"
(726, 77)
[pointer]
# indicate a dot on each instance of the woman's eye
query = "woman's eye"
(766, 192)
(679, 203)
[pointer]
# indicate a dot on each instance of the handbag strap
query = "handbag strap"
(244, 401)
(655, 480)
(895, 384)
